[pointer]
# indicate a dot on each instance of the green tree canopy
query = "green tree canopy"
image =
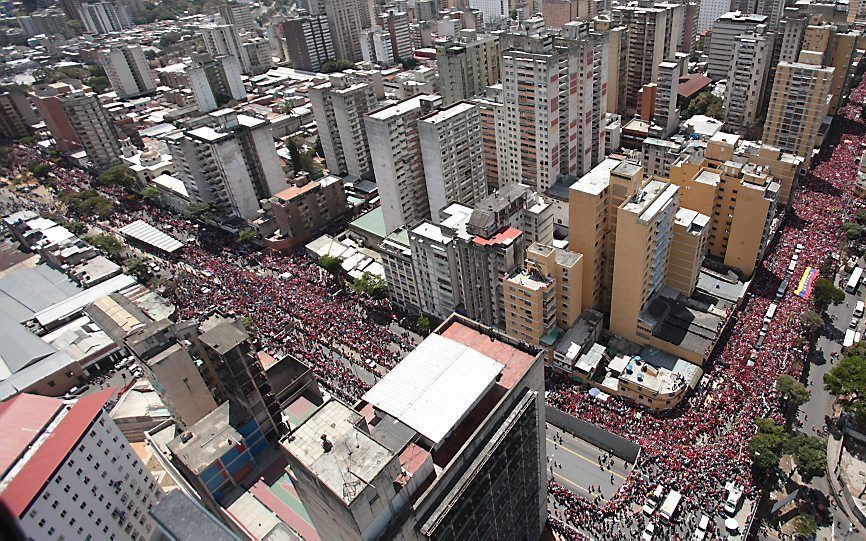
(853, 231)
(812, 321)
(792, 391)
(332, 66)
(425, 324)
(765, 445)
(826, 293)
(847, 380)
(118, 175)
(810, 455)
(99, 84)
(248, 237)
(149, 193)
(200, 211)
(705, 103)
(40, 170)
(805, 525)
(87, 203)
(107, 243)
(372, 285)
(333, 265)
(135, 266)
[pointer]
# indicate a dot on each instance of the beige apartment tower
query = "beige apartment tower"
(644, 234)
(798, 104)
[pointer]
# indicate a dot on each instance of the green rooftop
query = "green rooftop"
(372, 222)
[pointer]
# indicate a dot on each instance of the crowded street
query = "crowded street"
(294, 306)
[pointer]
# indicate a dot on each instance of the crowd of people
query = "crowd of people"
(293, 305)
(709, 433)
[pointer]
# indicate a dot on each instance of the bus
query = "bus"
(854, 281)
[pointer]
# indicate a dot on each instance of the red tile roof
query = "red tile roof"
(28, 483)
(22, 419)
(692, 83)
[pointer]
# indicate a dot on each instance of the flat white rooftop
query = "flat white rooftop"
(435, 386)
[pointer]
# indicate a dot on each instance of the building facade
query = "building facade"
(127, 71)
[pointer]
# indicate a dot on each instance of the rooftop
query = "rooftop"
(598, 179)
(350, 460)
(224, 337)
(146, 233)
(434, 387)
(210, 438)
(52, 453)
(22, 419)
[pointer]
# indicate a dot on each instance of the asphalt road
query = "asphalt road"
(580, 467)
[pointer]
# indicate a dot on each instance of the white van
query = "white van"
(701, 530)
(652, 501)
(670, 505)
(858, 308)
(732, 501)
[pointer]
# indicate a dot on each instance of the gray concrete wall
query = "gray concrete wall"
(621, 447)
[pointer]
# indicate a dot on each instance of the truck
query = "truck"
(849, 338)
(854, 280)
(669, 507)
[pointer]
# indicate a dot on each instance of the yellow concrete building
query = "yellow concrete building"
(688, 248)
(592, 221)
(739, 197)
(798, 104)
(543, 297)
(784, 167)
(645, 223)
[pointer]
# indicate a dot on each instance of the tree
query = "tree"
(99, 84)
(107, 243)
(200, 211)
(169, 39)
(320, 151)
(425, 324)
(705, 103)
(247, 237)
(765, 444)
(118, 175)
(853, 231)
(792, 391)
(87, 203)
(860, 217)
(810, 455)
(149, 194)
(847, 380)
(805, 525)
(826, 293)
(333, 265)
(295, 155)
(332, 66)
(372, 285)
(135, 266)
(40, 170)
(812, 322)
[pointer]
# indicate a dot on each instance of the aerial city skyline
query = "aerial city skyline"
(433, 269)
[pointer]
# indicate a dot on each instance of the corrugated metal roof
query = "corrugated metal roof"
(435, 386)
(146, 233)
(22, 418)
(77, 302)
(19, 347)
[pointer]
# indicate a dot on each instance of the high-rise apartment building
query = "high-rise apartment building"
(398, 165)
(223, 39)
(798, 104)
(308, 40)
(232, 357)
(747, 79)
(47, 98)
(666, 116)
(216, 82)
(395, 24)
(709, 11)
(396, 252)
(617, 63)
(451, 149)
(16, 115)
(69, 472)
(531, 109)
(739, 197)
(654, 34)
(104, 17)
(467, 66)
(644, 232)
(492, 131)
(688, 250)
(258, 50)
(491, 10)
(127, 71)
(357, 481)
(723, 39)
(544, 295)
(592, 220)
(239, 14)
(339, 106)
(50, 22)
(346, 22)
(93, 128)
(435, 261)
(229, 162)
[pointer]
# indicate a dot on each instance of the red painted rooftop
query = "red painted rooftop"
(503, 237)
(28, 483)
(692, 83)
(22, 419)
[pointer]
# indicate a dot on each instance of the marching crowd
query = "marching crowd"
(297, 307)
(709, 433)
